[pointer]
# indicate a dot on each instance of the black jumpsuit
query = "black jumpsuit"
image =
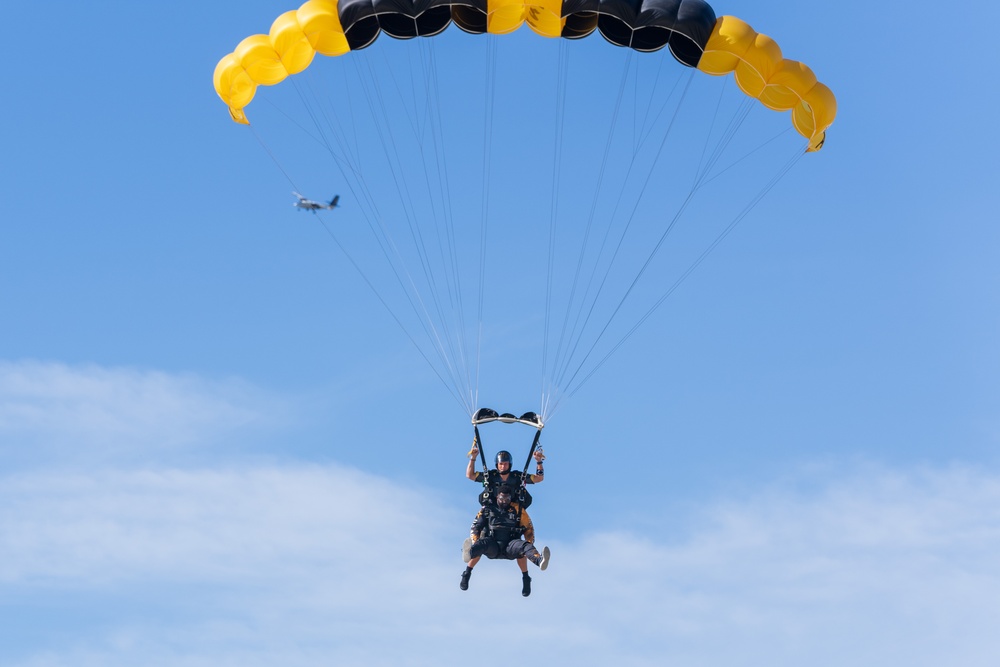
(498, 532)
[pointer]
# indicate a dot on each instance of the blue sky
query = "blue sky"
(219, 449)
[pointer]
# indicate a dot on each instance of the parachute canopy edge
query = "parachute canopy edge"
(761, 72)
(290, 46)
(715, 46)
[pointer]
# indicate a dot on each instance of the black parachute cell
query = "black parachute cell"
(405, 19)
(470, 16)
(581, 18)
(649, 25)
(359, 21)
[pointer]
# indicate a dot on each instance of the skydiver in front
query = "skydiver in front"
(502, 474)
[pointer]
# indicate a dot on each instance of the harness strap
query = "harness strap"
(524, 476)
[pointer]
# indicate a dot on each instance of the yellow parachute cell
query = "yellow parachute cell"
(763, 73)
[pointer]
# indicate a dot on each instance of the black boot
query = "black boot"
(525, 584)
(465, 579)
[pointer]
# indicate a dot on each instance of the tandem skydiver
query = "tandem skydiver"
(503, 531)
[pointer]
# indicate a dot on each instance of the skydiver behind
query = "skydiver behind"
(501, 531)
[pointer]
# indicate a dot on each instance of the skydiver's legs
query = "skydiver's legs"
(467, 550)
(521, 550)
(483, 547)
(475, 551)
(470, 563)
(522, 563)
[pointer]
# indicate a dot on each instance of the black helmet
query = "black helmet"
(504, 456)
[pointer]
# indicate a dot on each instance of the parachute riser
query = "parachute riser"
(524, 475)
(531, 453)
(482, 456)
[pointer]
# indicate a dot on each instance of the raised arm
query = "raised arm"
(539, 475)
(470, 470)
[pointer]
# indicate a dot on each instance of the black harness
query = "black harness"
(501, 526)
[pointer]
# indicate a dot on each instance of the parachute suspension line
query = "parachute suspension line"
(449, 250)
(412, 114)
(342, 163)
(694, 265)
(384, 239)
(719, 173)
(656, 248)
(578, 329)
(441, 340)
(735, 123)
(638, 139)
(649, 174)
(560, 348)
(663, 107)
(362, 197)
(560, 116)
(715, 155)
(426, 74)
(392, 314)
(273, 158)
(314, 107)
(454, 339)
(491, 66)
(635, 105)
(699, 172)
(403, 189)
(643, 132)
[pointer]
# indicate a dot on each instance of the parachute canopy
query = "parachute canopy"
(688, 28)
(590, 158)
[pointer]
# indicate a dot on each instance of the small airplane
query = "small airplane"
(310, 205)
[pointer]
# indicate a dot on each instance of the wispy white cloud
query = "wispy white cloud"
(91, 411)
(138, 562)
(302, 565)
(881, 567)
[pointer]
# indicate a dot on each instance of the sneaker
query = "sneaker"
(525, 584)
(545, 558)
(464, 585)
(467, 550)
